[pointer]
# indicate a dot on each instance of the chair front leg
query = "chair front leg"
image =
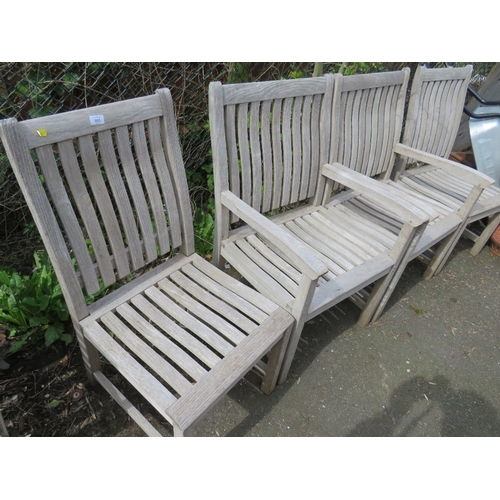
(385, 286)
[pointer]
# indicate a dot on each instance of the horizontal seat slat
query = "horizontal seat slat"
(161, 342)
(141, 379)
(255, 275)
(152, 359)
(266, 263)
(168, 302)
(220, 307)
(178, 333)
(235, 286)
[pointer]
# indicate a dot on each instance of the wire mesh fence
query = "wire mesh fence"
(30, 90)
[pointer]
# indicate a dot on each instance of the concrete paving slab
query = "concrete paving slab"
(429, 367)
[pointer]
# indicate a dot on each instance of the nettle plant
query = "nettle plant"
(32, 306)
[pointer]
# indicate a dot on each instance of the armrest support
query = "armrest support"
(380, 193)
(465, 173)
(309, 264)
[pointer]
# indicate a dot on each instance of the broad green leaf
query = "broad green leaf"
(38, 320)
(53, 333)
(66, 338)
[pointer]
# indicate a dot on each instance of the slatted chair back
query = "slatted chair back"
(271, 145)
(106, 190)
(367, 120)
(434, 111)
(267, 143)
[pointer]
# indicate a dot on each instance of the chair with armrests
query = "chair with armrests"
(275, 222)
(433, 118)
(366, 125)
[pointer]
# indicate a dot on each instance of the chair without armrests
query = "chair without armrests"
(274, 223)
(107, 189)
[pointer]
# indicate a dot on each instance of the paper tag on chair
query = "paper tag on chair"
(96, 119)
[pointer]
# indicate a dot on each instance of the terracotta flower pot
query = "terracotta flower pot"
(495, 241)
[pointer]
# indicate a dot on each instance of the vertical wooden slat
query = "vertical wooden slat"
(394, 128)
(276, 134)
(296, 147)
(163, 173)
(86, 210)
(315, 144)
(232, 152)
(267, 157)
(347, 117)
(388, 130)
(67, 217)
(374, 105)
(287, 151)
(135, 188)
(306, 147)
(367, 146)
(256, 155)
(151, 184)
(357, 130)
(244, 150)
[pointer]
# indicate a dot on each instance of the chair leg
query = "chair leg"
(385, 286)
(485, 235)
(443, 253)
(179, 432)
(290, 350)
(274, 363)
(90, 354)
(377, 301)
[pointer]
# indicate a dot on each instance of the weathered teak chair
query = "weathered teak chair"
(273, 222)
(114, 199)
(367, 118)
(432, 122)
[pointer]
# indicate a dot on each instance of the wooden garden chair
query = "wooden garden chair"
(274, 222)
(107, 189)
(367, 115)
(432, 122)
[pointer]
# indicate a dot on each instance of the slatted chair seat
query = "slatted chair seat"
(432, 122)
(452, 192)
(275, 222)
(108, 191)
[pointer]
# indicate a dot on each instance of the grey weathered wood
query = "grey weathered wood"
(431, 123)
(181, 329)
(309, 257)
(434, 115)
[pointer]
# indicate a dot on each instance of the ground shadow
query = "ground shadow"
(459, 412)
(314, 339)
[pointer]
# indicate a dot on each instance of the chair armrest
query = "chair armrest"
(466, 173)
(308, 263)
(380, 193)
